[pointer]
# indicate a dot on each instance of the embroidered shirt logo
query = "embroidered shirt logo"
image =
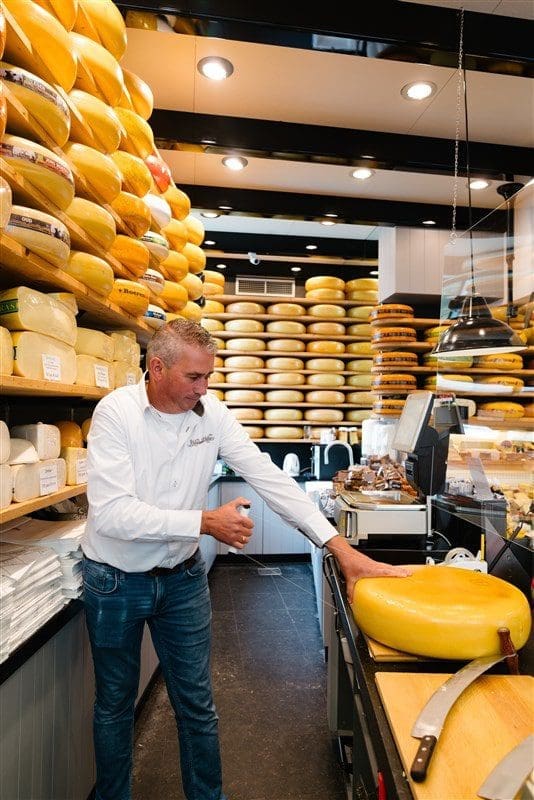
(195, 442)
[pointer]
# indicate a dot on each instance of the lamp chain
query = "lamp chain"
(459, 92)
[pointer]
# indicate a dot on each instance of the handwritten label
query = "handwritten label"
(48, 481)
(130, 378)
(81, 470)
(51, 368)
(102, 376)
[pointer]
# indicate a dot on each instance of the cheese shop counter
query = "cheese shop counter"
(375, 693)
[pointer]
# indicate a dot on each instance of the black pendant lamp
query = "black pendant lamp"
(475, 332)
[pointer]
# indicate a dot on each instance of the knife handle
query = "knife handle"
(422, 758)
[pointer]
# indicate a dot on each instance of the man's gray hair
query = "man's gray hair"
(167, 343)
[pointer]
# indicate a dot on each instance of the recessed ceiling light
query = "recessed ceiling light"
(374, 273)
(225, 208)
(210, 214)
(479, 183)
(419, 90)
(295, 269)
(331, 214)
(362, 173)
(235, 163)
(328, 222)
(215, 68)
(429, 222)
(370, 157)
(209, 241)
(221, 266)
(311, 247)
(208, 141)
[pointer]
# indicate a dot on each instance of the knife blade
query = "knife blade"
(431, 719)
(506, 779)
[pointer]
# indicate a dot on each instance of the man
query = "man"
(152, 450)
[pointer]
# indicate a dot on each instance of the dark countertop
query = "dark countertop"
(306, 476)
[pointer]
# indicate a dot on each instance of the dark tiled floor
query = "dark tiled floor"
(269, 680)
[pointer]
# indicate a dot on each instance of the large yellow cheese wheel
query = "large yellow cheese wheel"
(136, 177)
(220, 343)
(247, 344)
(324, 282)
(360, 329)
(325, 346)
(363, 381)
(323, 415)
(503, 380)
(178, 200)
(217, 360)
(325, 294)
(501, 361)
(90, 270)
(286, 379)
(327, 397)
(98, 70)
(446, 364)
(101, 180)
(245, 377)
(94, 220)
(244, 307)
(243, 396)
(361, 349)
(326, 310)
(283, 432)
(193, 311)
(40, 233)
(442, 612)
(100, 118)
(70, 433)
(193, 285)
(286, 310)
(284, 364)
(254, 431)
(326, 365)
(49, 40)
(216, 277)
(28, 351)
(361, 365)
(502, 410)
(326, 379)
(211, 325)
(176, 234)
(327, 328)
(244, 362)
(177, 267)
(209, 288)
(63, 10)
(137, 137)
(213, 307)
(214, 392)
(244, 325)
(363, 296)
(42, 168)
(132, 297)
(133, 211)
(365, 398)
(132, 253)
(286, 345)
(358, 415)
(195, 230)
(356, 397)
(359, 284)
(216, 377)
(247, 413)
(22, 308)
(141, 96)
(285, 326)
(197, 260)
(284, 396)
(283, 414)
(103, 19)
(174, 295)
(360, 312)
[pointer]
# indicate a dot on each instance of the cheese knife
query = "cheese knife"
(506, 779)
(429, 723)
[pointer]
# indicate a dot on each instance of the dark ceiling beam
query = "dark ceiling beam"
(294, 246)
(363, 211)
(307, 142)
(388, 21)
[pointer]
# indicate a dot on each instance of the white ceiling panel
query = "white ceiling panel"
(507, 8)
(235, 223)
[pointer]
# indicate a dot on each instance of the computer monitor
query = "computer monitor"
(413, 421)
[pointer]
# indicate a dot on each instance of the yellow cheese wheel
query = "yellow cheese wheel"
(209, 288)
(283, 432)
(359, 284)
(286, 345)
(361, 365)
(29, 348)
(363, 297)
(363, 381)
(357, 415)
(244, 325)
(502, 410)
(195, 230)
(176, 234)
(95, 175)
(503, 380)
(216, 393)
(40, 233)
(286, 379)
(92, 271)
(136, 177)
(247, 344)
(447, 364)
(212, 325)
(326, 310)
(244, 377)
(247, 413)
(174, 295)
(133, 211)
(179, 202)
(243, 396)
(216, 277)
(529, 410)
(283, 414)
(284, 396)
(323, 415)
(284, 364)
(141, 96)
(216, 377)
(197, 261)
(176, 266)
(102, 18)
(325, 346)
(441, 612)
(63, 10)
(365, 398)
(221, 344)
(70, 433)
(244, 307)
(218, 361)
(193, 311)
(327, 328)
(461, 378)
(43, 169)
(325, 294)
(501, 361)
(361, 349)
(324, 282)
(94, 220)
(285, 326)
(328, 379)
(132, 297)
(360, 312)
(254, 431)
(360, 329)
(244, 362)
(433, 334)
(213, 307)
(327, 397)
(100, 118)
(98, 71)
(325, 365)
(286, 310)
(137, 137)
(193, 285)
(132, 253)
(86, 426)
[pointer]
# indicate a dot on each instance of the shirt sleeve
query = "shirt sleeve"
(281, 493)
(116, 510)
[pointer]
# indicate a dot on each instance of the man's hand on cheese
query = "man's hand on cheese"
(355, 565)
(227, 525)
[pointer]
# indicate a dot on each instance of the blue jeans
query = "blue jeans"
(178, 612)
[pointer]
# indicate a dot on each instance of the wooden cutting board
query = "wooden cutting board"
(489, 719)
(383, 653)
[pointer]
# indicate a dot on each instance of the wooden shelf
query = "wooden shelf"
(302, 422)
(302, 301)
(277, 318)
(282, 354)
(303, 337)
(13, 385)
(301, 371)
(521, 466)
(16, 510)
(303, 387)
(523, 424)
(318, 406)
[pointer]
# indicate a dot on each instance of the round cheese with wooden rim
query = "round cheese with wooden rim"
(394, 334)
(441, 612)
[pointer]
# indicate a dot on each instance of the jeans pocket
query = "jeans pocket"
(197, 569)
(99, 578)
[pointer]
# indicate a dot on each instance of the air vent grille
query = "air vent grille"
(269, 287)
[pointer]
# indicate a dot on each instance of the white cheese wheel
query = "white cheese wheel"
(43, 169)
(323, 415)
(209, 274)
(327, 397)
(244, 377)
(363, 297)
(326, 294)
(26, 482)
(45, 438)
(216, 377)
(5, 445)
(360, 365)
(67, 298)
(40, 233)
(91, 371)
(213, 307)
(24, 309)
(284, 396)
(360, 329)
(247, 344)
(129, 334)
(329, 379)
(358, 284)
(94, 343)
(244, 362)
(326, 365)
(244, 326)
(285, 326)
(126, 374)
(283, 432)
(218, 361)
(254, 431)
(360, 312)
(327, 328)
(38, 356)
(286, 345)
(76, 465)
(244, 307)
(359, 398)
(160, 210)
(326, 346)
(216, 393)
(6, 352)
(324, 282)
(247, 413)
(211, 325)
(286, 310)
(157, 245)
(21, 451)
(283, 414)
(155, 316)
(154, 280)
(6, 485)
(326, 310)
(363, 381)
(360, 348)
(358, 415)
(243, 396)
(286, 379)
(284, 364)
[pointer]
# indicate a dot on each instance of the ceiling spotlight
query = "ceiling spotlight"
(372, 158)
(215, 68)
(311, 247)
(295, 269)
(225, 208)
(210, 214)
(235, 163)
(362, 173)
(429, 222)
(221, 266)
(208, 141)
(328, 222)
(420, 90)
(209, 241)
(331, 214)
(479, 183)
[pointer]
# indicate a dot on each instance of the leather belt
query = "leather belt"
(162, 571)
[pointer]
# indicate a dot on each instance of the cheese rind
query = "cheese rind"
(45, 438)
(39, 233)
(22, 452)
(98, 171)
(94, 343)
(24, 309)
(26, 483)
(126, 374)
(94, 220)
(6, 485)
(5, 442)
(76, 464)
(70, 433)
(42, 168)
(35, 354)
(92, 271)
(93, 371)
(6, 352)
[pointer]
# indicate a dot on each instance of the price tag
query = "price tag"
(81, 470)
(51, 368)
(102, 376)
(48, 482)
(130, 378)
